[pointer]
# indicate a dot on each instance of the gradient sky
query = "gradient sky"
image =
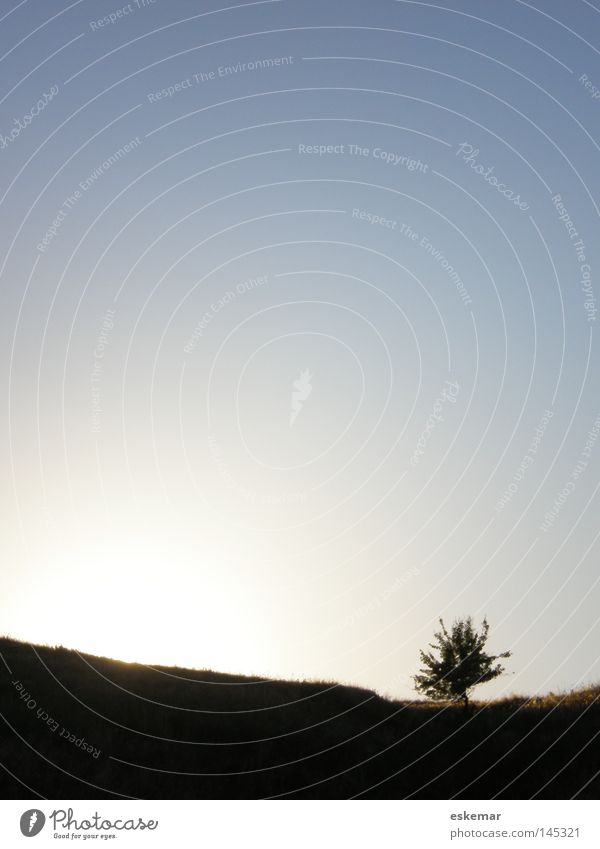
(379, 207)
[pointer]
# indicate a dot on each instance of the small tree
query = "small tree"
(462, 663)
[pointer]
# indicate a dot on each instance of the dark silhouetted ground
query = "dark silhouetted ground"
(86, 727)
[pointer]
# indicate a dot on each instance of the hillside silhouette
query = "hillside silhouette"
(77, 726)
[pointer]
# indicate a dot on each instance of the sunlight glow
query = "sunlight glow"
(146, 606)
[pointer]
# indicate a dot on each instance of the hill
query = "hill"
(77, 726)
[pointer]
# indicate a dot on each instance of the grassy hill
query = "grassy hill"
(77, 726)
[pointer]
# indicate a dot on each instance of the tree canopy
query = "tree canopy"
(461, 662)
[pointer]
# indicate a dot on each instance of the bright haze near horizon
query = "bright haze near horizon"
(300, 347)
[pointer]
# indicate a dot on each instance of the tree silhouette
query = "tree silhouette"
(462, 663)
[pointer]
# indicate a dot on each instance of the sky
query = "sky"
(299, 351)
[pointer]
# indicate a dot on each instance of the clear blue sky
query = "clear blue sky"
(299, 347)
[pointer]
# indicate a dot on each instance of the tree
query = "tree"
(462, 663)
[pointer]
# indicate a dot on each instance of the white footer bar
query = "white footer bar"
(301, 824)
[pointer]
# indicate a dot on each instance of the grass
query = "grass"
(77, 726)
